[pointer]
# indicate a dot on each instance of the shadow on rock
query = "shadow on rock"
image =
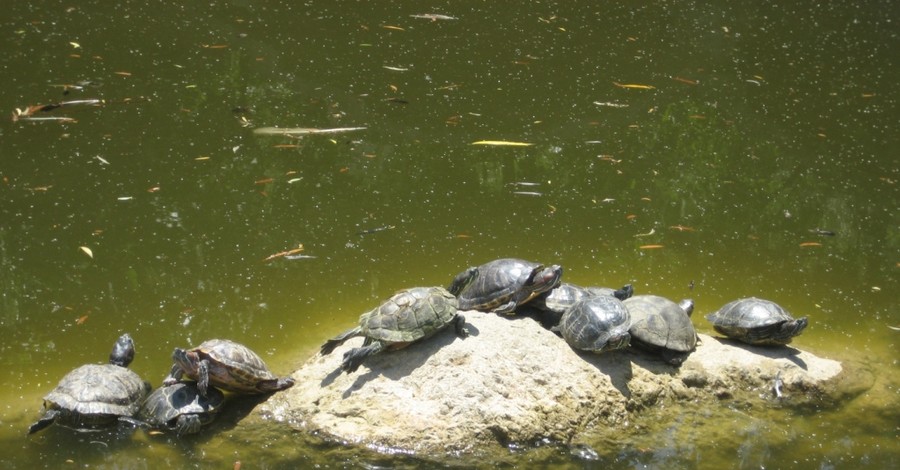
(772, 352)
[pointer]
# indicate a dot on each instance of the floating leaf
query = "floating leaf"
(650, 247)
(806, 244)
(634, 86)
(87, 251)
(502, 143)
(303, 130)
(75, 45)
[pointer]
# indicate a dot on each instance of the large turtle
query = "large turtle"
(597, 324)
(96, 395)
(661, 326)
(503, 284)
(180, 408)
(408, 316)
(756, 321)
(225, 364)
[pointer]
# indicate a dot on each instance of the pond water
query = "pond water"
(707, 151)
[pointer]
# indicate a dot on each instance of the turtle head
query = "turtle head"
(187, 360)
(543, 279)
(462, 280)
(625, 292)
(123, 351)
(687, 305)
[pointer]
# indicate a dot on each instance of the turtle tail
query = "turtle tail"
(354, 357)
(338, 340)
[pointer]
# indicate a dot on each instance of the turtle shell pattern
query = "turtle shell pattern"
(757, 321)
(596, 324)
(505, 283)
(232, 366)
(410, 315)
(96, 394)
(659, 324)
(162, 408)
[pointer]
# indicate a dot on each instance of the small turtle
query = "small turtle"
(562, 297)
(228, 365)
(661, 326)
(96, 395)
(597, 324)
(503, 284)
(756, 321)
(180, 408)
(408, 316)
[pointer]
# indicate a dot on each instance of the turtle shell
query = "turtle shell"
(503, 284)
(180, 407)
(410, 315)
(95, 395)
(660, 325)
(597, 324)
(233, 367)
(756, 321)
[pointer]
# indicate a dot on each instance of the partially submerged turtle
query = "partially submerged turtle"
(597, 324)
(503, 284)
(408, 316)
(661, 326)
(180, 408)
(225, 364)
(757, 321)
(96, 395)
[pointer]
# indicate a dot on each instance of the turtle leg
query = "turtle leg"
(174, 375)
(459, 323)
(46, 420)
(354, 357)
(275, 385)
(338, 340)
(507, 308)
(203, 377)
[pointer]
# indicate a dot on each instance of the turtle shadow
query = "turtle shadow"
(785, 352)
(612, 364)
(397, 364)
(651, 362)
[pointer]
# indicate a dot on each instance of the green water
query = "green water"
(765, 121)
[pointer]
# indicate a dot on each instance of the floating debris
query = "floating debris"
(502, 143)
(293, 131)
(395, 69)
(528, 193)
(286, 253)
(611, 104)
(808, 244)
(370, 231)
(650, 247)
(27, 114)
(686, 80)
(651, 232)
(822, 232)
(87, 251)
(634, 86)
(433, 17)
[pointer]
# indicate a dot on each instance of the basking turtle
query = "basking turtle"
(756, 321)
(225, 364)
(96, 395)
(180, 408)
(408, 316)
(597, 324)
(562, 297)
(661, 326)
(503, 284)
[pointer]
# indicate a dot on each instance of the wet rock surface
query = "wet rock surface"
(513, 382)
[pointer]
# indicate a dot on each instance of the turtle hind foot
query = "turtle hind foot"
(338, 340)
(355, 357)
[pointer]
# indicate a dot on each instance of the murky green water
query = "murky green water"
(765, 121)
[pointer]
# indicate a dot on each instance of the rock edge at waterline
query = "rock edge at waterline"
(514, 382)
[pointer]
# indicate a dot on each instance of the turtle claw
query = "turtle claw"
(460, 325)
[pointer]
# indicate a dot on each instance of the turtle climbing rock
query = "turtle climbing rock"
(180, 408)
(227, 365)
(504, 284)
(96, 395)
(661, 326)
(408, 316)
(757, 321)
(598, 324)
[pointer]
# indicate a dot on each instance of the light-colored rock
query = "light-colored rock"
(514, 382)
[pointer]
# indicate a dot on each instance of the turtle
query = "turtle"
(563, 296)
(757, 321)
(227, 365)
(503, 284)
(661, 326)
(597, 324)
(180, 408)
(96, 395)
(408, 316)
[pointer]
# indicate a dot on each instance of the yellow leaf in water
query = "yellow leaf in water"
(87, 251)
(75, 45)
(502, 143)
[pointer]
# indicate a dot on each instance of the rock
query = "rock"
(512, 382)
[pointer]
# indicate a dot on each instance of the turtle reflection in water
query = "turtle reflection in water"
(408, 316)
(227, 365)
(180, 408)
(96, 395)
